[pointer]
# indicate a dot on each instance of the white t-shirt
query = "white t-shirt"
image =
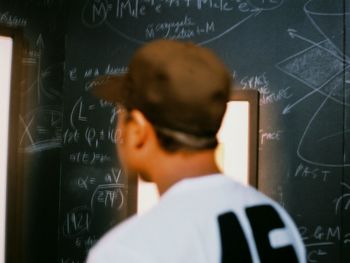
(208, 219)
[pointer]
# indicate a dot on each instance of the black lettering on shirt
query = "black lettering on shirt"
(234, 247)
(263, 219)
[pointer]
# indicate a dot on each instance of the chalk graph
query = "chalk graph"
(42, 130)
(321, 67)
(37, 74)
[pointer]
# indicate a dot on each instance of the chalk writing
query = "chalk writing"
(319, 239)
(77, 222)
(121, 14)
(12, 20)
(103, 197)
(266, 136)
(181, 29)
(262, 84)
(93, 137)
(42, 130)
(257, 82)
(343, 202)
(85, 243)
(89, 158)
(110, 195)
(84, 130)
(98, 11)
(282, 94)
(316, 173)
(78, 112)
(85, 182)
(81, 110)
(314, 254)
(75, 73)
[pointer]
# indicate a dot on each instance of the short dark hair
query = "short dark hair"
(173, 141)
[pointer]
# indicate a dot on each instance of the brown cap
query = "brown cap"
(177, 85)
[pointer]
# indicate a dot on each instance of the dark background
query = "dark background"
(293, 52)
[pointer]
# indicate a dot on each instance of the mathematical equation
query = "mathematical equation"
(320, 240)
(91, 136)
(103, 194)
(97, 138)
(89, 158)
(97, 10)
(174, 19)
(185, 28)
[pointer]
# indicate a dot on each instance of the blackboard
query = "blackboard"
(32, 231)
(294, 52)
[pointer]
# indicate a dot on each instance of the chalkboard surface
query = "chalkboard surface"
(294, 52)
(39, 129)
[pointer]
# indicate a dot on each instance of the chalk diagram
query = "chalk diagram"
(143, 20)
(41, 127)
(322, 67)
(36, 75)
(42, 130)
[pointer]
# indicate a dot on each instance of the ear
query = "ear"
(139, 129)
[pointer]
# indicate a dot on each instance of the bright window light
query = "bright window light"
(231, 154)
(147, 196)
(6, 44)
(233, 151)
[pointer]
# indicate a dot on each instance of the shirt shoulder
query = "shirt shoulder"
(183, 226)
(117, 245)
(111, 253)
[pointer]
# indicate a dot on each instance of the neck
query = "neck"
(172, 168)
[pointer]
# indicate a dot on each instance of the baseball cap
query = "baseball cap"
(180, 87)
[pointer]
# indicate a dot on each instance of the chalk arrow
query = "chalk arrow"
(293, 34)
(254, 13)
(287, 109)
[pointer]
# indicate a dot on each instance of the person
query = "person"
(173, 99)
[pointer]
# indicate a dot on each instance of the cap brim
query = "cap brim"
(110, 88)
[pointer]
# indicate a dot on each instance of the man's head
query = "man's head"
(176, 90)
